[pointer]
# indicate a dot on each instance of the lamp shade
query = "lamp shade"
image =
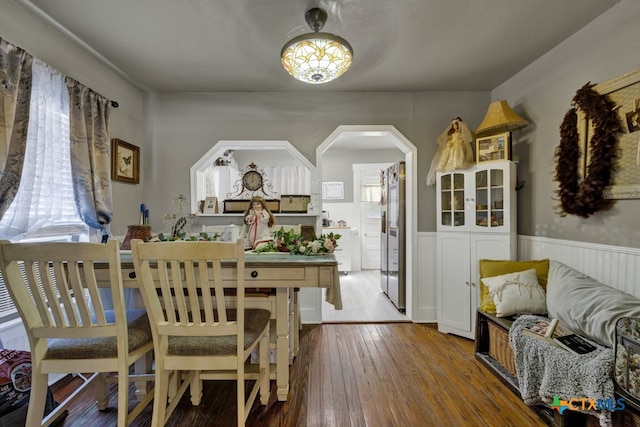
(500, 118)
(316, 57)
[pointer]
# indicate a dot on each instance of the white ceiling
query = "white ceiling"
(399, 45)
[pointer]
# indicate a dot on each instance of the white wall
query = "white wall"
(542, 93)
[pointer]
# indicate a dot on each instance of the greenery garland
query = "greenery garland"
(585, 198)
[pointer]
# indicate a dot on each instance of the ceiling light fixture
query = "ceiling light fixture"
(316, 57)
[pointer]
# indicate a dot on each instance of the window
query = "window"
(44, 207)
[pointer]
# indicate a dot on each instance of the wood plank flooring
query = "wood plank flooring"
(362, 301)
(394, 374)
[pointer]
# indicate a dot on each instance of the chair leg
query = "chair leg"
(240, 396)
(123, 397)
(100, 391)
(37, 399)
(264, 369)
(174, 383)
(160, 398)
(196, 389)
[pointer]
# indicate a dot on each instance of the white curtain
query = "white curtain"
(47, 160)
(371, 193)
(289, 179)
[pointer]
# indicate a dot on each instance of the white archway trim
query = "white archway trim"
(411, 155)
(197, 170)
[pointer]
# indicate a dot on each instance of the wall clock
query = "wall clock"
(252, 180)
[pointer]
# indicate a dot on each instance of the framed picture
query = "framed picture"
(493, 147)
(333, 190)
(624, 91)
(210, 205)
(125, 161)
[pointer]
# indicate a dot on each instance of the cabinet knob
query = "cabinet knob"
(473, 284)
(466, 283)
(254, 274)
(132, 275)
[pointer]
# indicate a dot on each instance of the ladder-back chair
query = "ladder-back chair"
(200, 332)
(70, 330)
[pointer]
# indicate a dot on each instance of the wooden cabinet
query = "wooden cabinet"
(476, 220)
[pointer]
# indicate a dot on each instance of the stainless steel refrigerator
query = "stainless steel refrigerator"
(393, 259)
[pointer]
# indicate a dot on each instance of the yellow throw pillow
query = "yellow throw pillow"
(492, 268)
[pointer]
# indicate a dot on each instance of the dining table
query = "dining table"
(272, 280)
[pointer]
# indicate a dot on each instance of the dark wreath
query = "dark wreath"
(586, 197)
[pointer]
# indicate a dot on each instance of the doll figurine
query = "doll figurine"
(258, 219)
(454, 150)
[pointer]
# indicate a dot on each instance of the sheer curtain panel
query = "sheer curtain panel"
(45, 197)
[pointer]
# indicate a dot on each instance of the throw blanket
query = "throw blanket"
(545, 371)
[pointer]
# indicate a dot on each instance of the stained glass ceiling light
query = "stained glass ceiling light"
(316, 57)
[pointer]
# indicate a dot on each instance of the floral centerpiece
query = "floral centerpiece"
(186, 237)
(292, 242)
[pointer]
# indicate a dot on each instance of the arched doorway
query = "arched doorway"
(381, 137)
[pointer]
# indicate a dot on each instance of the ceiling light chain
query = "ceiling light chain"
(316, 57)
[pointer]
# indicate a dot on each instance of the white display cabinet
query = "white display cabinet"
(479, 199)
(476, 214)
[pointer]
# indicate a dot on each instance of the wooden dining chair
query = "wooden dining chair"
(201, 328)
(69, 327)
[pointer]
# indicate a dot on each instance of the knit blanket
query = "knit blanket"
(546, 371)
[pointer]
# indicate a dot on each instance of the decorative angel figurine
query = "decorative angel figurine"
(455, 150)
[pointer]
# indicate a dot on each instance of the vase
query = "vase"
(142, 232)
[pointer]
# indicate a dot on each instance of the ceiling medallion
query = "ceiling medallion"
(316, 57)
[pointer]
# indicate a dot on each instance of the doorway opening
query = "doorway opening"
(363, 144)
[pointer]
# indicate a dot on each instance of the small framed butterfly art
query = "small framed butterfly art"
(125, 161)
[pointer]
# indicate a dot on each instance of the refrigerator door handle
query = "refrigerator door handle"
(384, 222)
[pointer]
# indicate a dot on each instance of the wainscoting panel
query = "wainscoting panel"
(425, 299)
(615, 266)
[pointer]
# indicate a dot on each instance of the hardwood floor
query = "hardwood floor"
(394, 374)
(362, 301)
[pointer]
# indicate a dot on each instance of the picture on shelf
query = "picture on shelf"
(210, 205)
(492, 148)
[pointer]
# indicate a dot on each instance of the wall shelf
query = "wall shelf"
(276, 214)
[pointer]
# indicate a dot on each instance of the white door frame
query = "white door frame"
(358, 168)
(411, 159)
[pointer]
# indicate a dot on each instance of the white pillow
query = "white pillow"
(517, 293)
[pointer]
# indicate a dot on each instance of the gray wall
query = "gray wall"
(126, 122)
(185, 126)
(608, 47)
(337, 165)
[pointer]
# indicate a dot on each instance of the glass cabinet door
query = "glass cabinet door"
(452, 199)
(489, 197)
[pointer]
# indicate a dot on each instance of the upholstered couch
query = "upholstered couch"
(588, 307)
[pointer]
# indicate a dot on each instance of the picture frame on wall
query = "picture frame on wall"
(493, 148)
(333, 190)
(125, 161)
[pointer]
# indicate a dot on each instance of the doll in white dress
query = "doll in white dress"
(455, 150)
(258, 219)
